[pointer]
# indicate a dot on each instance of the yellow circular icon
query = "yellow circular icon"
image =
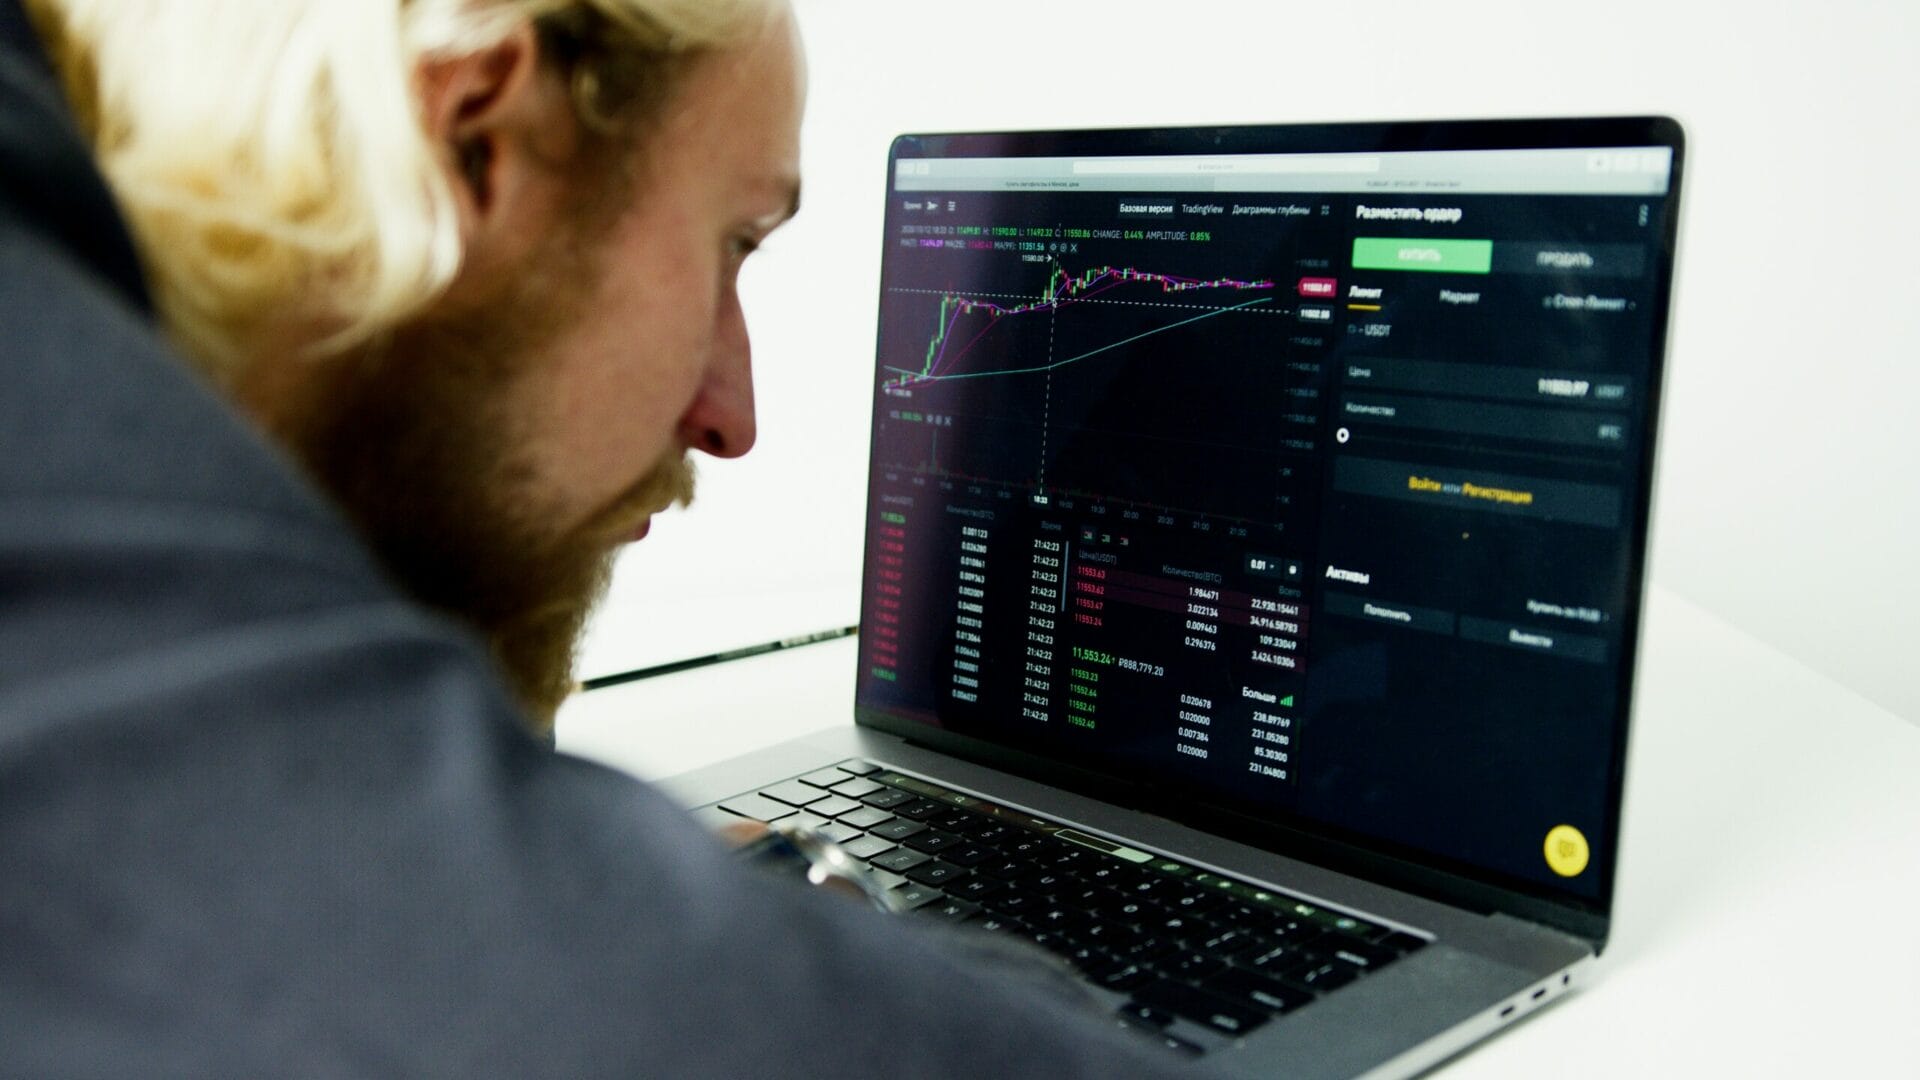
(1566, 850)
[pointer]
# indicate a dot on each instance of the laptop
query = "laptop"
(1256, 535)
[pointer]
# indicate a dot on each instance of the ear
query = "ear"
(496, 121)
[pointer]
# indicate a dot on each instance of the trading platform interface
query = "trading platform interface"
(1299, 484)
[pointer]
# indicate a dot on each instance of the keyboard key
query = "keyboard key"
(1152, 887)
(1116, 937)
(807, 820)
(1067, 858)
(758, 807)
(1003, 868)
(1180, 926)
(1083, 896)
(1347, 924)
(936, 873)
(1269, 994)
(1220, 1014)
(1225, 943)
(858, 788)
(1049, 914)
(1322, 976)
(885, 798)
(1124, 977)
(969, 854)
(1124, 909)
(794, 793)
(866, 818)
(713, 818)
(1360, 955)
(1054, 941)
(1047, 882)
(1308, 946)
(858, 767)
(866, 847)
(1402, 942)
(833, 806)
(1089, 961)
(921, 809)
(1148, 949)
(977, 888)
(951, 910)
(1109, 872)
(1290, 932)
(1058, 918)
(1030, 847)
(898, 829)
(839, 833)
(992, 833)
(900, 860)
(932, 841)
(1017, 905)
(1191, 965)
(1271, 959)
(1140, 1015)
(1194, 901)
(972, 826)
(1256, 917)
(912, 897)
(826, 778)
(886, 879)
(999, 924)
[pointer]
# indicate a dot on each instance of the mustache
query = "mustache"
(669, 483)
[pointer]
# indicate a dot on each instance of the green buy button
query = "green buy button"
(1442, 256)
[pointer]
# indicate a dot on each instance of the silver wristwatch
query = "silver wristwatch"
(787, 846)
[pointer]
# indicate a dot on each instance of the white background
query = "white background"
(1787, 471)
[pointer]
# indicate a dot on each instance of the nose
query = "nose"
(720, 421)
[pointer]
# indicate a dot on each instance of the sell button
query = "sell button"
(1437, 256)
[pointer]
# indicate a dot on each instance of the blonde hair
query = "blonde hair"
(269, 156)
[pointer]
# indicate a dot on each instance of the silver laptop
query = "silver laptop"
(1256, 536)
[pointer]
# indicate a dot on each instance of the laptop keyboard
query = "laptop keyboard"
(1189, 951)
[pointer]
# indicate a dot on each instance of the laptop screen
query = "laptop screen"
(1301, 473)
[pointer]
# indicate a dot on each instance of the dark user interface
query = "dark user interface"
(1310, 506)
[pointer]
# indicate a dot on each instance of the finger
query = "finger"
(743, 832)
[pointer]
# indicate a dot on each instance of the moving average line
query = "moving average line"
(911, 377)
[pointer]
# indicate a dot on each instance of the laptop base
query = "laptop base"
(1481, 973)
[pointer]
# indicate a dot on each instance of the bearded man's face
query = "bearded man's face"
(498, 451)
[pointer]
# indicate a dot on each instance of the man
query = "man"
(469, 265)
(452, 304)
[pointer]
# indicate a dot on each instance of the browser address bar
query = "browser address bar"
(1240, 165)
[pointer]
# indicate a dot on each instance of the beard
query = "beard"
(421, 446)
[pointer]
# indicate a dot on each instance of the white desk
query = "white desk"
(1763, 924)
